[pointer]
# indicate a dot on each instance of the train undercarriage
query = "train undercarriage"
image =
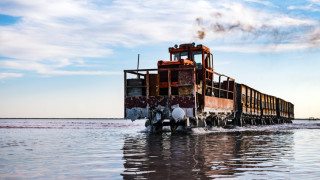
(209, 122)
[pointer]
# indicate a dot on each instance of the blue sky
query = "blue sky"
(65, 58)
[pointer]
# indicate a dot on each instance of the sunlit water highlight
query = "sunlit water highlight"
(121, 149)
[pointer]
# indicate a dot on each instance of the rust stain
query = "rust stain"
(218, 103)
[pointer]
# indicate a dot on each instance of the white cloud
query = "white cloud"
(49, 69)
(244, 29)
(32, 65)
(10, 75)
(313, 6)
(68, 29)
(60, 72)
(266, 3)
(264, 48)
(55, 34)
(236, 12)
(313, 37)
(307, 8)
(317, 2)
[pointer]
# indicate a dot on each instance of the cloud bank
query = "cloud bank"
(53, 35)
(10, 75)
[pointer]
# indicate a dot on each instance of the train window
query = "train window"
(211, 59)
(184, 55)
(175, 56)
(208, 60)
(197, 57)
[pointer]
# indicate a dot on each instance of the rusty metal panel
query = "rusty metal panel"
(283, 109)
(244, 98)
(137, 101)
(125, 92)
(259, 104)
(218, 103)
(273, 106)
(256, 103)
(264, 99)
(186, 90)
(154, 84)
(185, 78)
(147, 84)
(265, 105)
(291, 107)
(199, 87)
(253, 95)
(248, 100)
(183, 101)
(155, 101)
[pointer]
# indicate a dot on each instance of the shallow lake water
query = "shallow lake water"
(121, 149)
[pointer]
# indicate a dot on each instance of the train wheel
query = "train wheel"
(158, 128)
(173, 128)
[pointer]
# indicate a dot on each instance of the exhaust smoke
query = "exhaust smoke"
(265, 31)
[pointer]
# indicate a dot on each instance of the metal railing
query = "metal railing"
(216, 86)
(145, 74)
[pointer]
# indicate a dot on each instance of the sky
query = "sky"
(65, 58)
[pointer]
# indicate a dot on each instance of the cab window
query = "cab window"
(184, 55)
(197, 57)
(175, 56)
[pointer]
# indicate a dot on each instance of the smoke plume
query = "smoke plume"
(266, 33)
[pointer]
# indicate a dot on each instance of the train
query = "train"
(186, 92)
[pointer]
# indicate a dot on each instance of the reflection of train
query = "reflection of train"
(218, 155)
(187, 91)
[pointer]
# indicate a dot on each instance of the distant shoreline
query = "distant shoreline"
(66, 118)
(306, 119)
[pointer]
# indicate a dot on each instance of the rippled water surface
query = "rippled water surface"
(121, 149)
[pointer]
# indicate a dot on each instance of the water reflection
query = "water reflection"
(254, 154)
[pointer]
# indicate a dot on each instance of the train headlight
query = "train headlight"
(178, 114)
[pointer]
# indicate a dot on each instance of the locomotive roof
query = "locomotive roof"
(191, 46)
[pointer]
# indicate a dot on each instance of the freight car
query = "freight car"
(187, 92)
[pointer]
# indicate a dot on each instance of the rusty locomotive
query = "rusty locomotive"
(186, 92)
